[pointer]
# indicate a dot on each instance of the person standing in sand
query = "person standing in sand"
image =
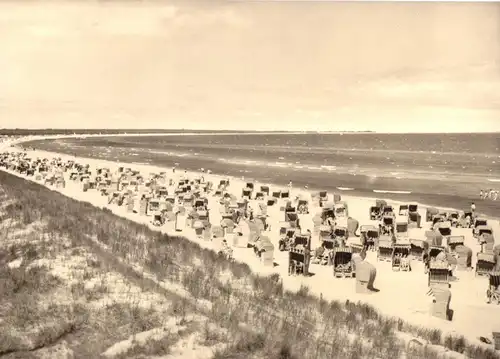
(473, 207)
(481, 194)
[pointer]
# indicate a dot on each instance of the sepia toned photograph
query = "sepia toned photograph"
(216, 179)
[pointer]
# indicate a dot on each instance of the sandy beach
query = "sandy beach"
(402, 294)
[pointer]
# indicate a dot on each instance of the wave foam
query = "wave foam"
(388, 191)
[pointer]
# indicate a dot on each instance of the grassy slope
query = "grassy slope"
(185, 279)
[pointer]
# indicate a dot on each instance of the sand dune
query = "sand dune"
(401, 294)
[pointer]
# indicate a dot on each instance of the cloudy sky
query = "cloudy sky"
(251, 65)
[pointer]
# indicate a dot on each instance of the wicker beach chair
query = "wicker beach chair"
(299, 257)
(485, 263)
(454, 241)
(384, 251)
(400, 257)
(438, 274)
(493, 292)
(342, 263)
(418, 248)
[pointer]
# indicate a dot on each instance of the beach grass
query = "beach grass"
(246, 315)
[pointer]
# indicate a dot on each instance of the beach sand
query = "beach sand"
(402, 294)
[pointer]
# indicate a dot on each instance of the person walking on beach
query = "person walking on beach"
(473, 207)
(290, 185)
(481, 194)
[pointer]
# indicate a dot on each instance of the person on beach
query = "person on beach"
(473, 207)
(481, 194)
(290, 185)
(467, 222)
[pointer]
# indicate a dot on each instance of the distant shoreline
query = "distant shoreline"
(151, 132)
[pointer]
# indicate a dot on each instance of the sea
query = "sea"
(446, 170)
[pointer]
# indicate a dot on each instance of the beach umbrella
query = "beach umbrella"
(434, 237)
(168, 207)
(325, 228)
(352, 226)
(329, 204)
(244, 228)
(233, 204)
(451, 259)
(226, 223)
(464, 252)
(202, 213)
(433, 211)
(260, 223)
(217, 232)
(265, 244)
(198, 225)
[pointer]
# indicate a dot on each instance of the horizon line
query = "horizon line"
(161, 130)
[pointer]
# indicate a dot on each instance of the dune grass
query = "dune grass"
(60, 297)
(262, 318)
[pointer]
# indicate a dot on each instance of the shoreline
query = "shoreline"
(232, 178)
(415, 313)
(361, 193)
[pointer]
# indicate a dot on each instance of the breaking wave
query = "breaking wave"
(389, 191)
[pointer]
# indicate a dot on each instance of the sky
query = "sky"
(206, 64)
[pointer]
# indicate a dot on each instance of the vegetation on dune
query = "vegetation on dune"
(260, 317)
(61, 297)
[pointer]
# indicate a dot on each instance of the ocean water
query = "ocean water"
(438, 169)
